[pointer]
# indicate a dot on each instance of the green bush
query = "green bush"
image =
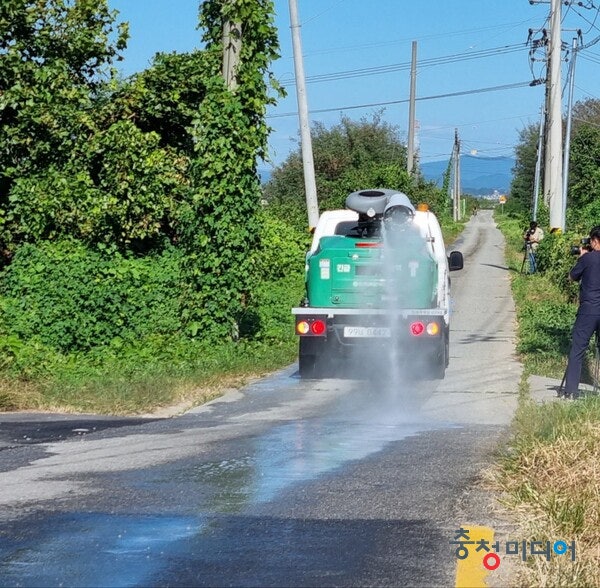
(72, 298)
(545, 327)
(283, 248)
(555, 262)
(269, 317)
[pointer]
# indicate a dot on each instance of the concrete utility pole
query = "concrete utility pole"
(310, 185)
(232, 45)
(554, 124)
(567, 150)
(410, 150)
(538, 164)
(456, 184)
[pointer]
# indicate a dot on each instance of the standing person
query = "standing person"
(587, 272)
(532, 240)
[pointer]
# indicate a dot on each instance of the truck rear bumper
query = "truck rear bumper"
(415, 338)
(423, 328)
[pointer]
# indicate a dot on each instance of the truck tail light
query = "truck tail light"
(433, 328)
(318, 327)
(310, 326)
(419, 328)
(302, 327)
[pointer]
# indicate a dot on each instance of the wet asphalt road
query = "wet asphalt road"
(342, 482)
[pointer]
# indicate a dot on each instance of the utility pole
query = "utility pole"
(456, 184)
(232, 45)
(310, 185)
(567, 150)
(410, 151)
(538, 164)
(554, 125)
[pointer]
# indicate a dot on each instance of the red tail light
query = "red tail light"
(369, 244)
(417, 328)
(311, 326)
(318, 327)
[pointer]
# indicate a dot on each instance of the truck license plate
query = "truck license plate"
(367, 332)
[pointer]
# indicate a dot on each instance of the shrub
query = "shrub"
(69, 297)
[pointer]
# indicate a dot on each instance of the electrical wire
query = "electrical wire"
(344, 48)
(592, 24)
(315, 16)
(394, 67)
(419, 99)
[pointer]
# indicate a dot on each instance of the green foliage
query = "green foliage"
(545, 327)
(555, 262)
(130, 211)
(279, 265)
(348, 156)
(267, 316)
(584, 178)
(521, 189)
(583, 208)
(163, 99)
(220, 226)
(70, 298)
(125, 194)
(53, 56)
(283, 248)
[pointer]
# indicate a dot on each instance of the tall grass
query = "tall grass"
(551, 472)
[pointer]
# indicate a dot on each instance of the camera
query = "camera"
(585, 246)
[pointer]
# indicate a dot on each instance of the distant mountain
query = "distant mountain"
(479, 175)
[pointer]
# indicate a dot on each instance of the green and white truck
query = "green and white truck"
(377, 277)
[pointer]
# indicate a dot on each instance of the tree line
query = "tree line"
(583, 204)
(147, 183)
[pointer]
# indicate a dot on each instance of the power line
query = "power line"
(494, 27)
(422, 98)
(591, 23)
(394, 67)
(315, 16)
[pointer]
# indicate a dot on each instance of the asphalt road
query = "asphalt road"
(346, 482)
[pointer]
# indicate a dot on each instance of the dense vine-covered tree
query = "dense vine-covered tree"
(221, 227)
(85, 155)
(165, 98)
(584, 165)
(54, 54)
(522, 185)
(54, 57)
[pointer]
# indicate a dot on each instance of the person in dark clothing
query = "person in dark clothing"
(587, 272)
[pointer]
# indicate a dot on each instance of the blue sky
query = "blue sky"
(464, 47)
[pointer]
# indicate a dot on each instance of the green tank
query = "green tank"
(349, 272)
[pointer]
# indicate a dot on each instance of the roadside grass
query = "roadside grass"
(154, 373)
(144, 380)
(550, 474)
